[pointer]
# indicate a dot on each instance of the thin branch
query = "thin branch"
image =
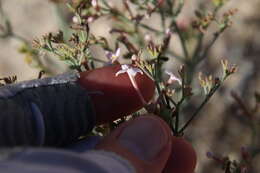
(213, 90)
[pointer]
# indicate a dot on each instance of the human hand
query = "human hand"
(146, 141)
(148, 144)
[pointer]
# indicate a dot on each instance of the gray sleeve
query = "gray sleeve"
(60, 161)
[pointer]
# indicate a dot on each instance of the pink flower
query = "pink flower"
(168, 32)
(112, 57)
(172, 78)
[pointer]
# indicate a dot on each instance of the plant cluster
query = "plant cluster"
(136, 36)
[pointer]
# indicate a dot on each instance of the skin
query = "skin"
(164, 154)
(183, 157)
(114, 96)
(153, 163)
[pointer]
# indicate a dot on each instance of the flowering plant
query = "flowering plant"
(147, 48)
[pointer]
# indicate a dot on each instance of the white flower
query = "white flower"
(112, 57)
(90, 19)
(94, 3)
(131, 71)
(147, 37)
(134, 57)
(75, 20)
(172, 78)
(168, 32)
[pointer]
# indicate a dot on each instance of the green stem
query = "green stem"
(157, 81)
(198, 46)
(172, 101)
(159, 92)
(178, 114)
(167, 100)
(211, 93)
(180, 102)
(150, 28)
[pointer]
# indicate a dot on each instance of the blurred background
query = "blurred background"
(222, 127)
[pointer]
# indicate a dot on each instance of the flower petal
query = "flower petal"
(132, 71)
(120, 72)
(173, 78)
(117, 52)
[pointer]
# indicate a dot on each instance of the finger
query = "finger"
(116, 94)
(183, 157)
(145, 142)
